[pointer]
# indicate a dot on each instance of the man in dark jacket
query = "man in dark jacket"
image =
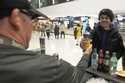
(105, 36)
(18, 65)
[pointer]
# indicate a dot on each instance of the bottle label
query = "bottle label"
(107, 62)
(101, 61)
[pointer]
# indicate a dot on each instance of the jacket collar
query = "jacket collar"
(9, 42)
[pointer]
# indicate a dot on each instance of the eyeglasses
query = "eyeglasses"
(27, 13)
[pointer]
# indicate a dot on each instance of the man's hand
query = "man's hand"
(88, 51)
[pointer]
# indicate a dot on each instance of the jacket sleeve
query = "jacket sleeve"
(117, 44)
(80, 75)
(121, 50)
(55, 71)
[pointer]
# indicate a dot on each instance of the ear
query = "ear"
(15, 19)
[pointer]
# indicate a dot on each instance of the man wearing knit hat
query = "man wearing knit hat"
(104, 37)
(107, 37)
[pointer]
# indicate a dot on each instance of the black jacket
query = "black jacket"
(113, 41)
(21, 66)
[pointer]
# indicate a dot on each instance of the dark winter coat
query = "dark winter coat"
(108, 40)
(21, 66)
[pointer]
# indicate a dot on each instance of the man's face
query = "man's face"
(105, 21)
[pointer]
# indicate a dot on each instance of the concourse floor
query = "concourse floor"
(66, 48)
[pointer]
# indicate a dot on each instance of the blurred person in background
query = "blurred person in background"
(56, 31)
(88, 29)
(43, 29)
(62, 29)
(77, 33)
(48, 29)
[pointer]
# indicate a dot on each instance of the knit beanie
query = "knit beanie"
(107, 12)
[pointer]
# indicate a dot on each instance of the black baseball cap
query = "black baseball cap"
(6, 7)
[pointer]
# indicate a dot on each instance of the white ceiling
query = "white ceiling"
(84, 7)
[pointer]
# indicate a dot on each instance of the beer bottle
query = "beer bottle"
(107, 62)
(100, 60)
(42, 45)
